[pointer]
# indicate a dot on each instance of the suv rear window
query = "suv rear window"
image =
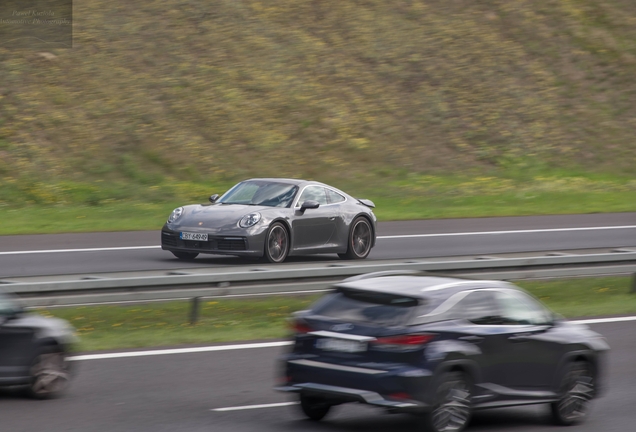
(367, 307)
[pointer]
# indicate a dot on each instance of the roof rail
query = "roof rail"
(406, 273)
(383, 273)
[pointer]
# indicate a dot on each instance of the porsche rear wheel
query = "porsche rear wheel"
(276, 243)
(185, 255)
(359, 241)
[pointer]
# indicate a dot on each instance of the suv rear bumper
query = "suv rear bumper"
(343, 395)
(398, 387)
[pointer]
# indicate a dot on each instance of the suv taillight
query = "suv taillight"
(402, 342)
(300, 327)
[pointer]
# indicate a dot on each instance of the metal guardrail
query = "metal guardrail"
(300, 278)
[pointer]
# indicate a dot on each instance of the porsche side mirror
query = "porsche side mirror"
(309, 204)
(213, 198)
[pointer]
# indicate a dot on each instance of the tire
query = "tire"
(452, 407)
(359, 240)
(276, 243)
(314, 408)
(186, 256)
(576, 391)
(50, 374)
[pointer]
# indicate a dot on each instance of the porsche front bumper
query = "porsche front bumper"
(218, 244)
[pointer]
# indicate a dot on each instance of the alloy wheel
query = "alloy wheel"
(360, 241)
(452, 412)
(578, 391)
(277, 244)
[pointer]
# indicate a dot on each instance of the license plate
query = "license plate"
(328, 344)
(193, 236)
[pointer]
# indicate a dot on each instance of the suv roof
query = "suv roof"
(418, 285)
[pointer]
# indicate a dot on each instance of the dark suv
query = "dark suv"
(33, 350)
(440, 347)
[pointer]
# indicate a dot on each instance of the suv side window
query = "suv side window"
(316, 193)
(479, 307)
(518, 308)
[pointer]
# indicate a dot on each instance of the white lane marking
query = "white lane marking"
(78, 250)
(266, 344)
(455, 234)
(249, 407)
(509, 232)
(179, 351)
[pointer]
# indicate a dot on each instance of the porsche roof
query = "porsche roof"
(279, 180)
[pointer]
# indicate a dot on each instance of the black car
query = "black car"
(440, 347)
(33, 350)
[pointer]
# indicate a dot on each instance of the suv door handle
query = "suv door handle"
(473, 339)
(519, 337)
(332, 218)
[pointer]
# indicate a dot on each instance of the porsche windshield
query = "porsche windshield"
(260, 193)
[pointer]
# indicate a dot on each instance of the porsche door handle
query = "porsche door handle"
(332, 218)
(473, 339)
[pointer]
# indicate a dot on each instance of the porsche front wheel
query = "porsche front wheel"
(276, 243)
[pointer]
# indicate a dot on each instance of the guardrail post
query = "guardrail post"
(633, 283)
(194, 310)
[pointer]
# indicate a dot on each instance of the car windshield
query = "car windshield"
(261, 193)
(8, 306)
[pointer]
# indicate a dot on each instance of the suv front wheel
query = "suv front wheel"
(577, 389)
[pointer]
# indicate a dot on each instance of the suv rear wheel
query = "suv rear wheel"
(452, 410)
(314, 408)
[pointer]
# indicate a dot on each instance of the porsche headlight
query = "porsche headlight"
(250, 220)
(176, 214)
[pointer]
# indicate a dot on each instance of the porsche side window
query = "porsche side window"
(479, 307)
(315, 193)
(334, 197)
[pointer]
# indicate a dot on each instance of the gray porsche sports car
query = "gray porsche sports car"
(273, 218)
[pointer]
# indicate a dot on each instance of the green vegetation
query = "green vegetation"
(164, 324)
(410, 103)
(73, 207)
(585, 297)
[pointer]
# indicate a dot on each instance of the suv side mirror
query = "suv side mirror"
(213, 198)
(309, 204)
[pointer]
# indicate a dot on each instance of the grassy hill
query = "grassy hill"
(359, 93)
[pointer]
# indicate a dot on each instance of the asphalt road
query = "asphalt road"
(24, 256)
(173, 393)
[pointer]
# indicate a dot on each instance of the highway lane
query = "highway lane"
(172, 393)
(447, 237)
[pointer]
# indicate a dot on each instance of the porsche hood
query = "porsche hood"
(216, 215)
